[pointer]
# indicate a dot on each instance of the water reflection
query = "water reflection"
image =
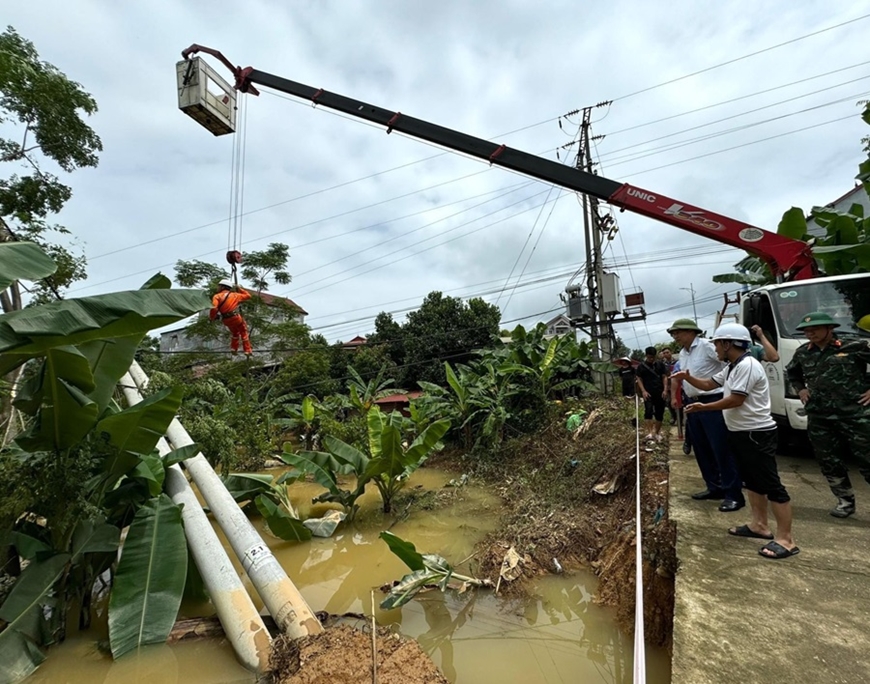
(560, 635)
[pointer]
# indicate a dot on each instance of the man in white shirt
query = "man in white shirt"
(707, 431)
(752, 434)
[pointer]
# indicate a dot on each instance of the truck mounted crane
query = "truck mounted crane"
(776, 308)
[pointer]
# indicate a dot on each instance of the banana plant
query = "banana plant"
(387, 463)
(364, 394)
(76, 351)
(391, 463)
(304, 419)
(427, 570)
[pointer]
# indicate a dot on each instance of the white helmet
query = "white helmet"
(226, 283)
(733, 332)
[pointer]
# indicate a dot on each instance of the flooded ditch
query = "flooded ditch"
(555, 633)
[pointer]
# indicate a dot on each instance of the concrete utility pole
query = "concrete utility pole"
(602, 304)
(601, 331)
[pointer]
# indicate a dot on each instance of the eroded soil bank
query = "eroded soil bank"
(553, 511)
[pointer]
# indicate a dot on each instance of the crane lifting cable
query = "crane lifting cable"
(237, 194)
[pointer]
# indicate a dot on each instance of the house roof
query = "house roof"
(561, 318)
(397, 398)
(273, 299)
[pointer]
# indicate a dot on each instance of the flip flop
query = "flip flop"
(746, 531)
(779, 551)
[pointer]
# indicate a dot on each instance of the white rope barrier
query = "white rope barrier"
(639, 642)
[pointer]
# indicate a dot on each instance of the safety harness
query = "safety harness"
(229, 314)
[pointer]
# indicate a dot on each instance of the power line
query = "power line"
(622, 159)
(738, 59)
(734, 99)
(736, 147)
(610, 153)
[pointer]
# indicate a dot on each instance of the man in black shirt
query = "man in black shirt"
(651, 375)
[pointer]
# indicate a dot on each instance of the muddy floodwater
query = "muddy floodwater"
(555, 635)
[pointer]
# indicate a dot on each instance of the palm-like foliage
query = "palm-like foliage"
(364, 394)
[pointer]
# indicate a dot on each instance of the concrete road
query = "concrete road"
(743, 618)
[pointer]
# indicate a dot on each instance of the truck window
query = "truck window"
(846, 301)
(765, 319)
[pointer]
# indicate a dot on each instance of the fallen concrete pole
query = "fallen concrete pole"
(281, 597)
(241, 622)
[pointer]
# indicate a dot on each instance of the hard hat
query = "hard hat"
(733, 332)
(684, 324)
(226, 283)
(864, 323)
(817, 318)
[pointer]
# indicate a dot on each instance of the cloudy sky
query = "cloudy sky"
(743, 108)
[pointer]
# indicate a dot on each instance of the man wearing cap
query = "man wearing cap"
(832, 382)
(706, 430)
(225, 305)
(752, 434)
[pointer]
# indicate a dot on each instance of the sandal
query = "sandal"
(746, 531)
(778, 551)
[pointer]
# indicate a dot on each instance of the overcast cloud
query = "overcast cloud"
(161, 191)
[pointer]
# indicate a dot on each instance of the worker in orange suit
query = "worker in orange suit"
(225, 305)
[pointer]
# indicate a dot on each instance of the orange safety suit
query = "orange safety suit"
(225, 305)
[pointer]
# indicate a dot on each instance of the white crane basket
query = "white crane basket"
(205, 96)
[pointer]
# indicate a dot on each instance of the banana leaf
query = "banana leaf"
(150, 469)
(149, 582)
(94, 536)
(247, 486)
(23, 261)
(109, 360)
(408, 586)
(281, 524)
(20, 654)
(424, 444)
(30, 332)
(136, 429)
(391, 461)
(405, 550)
(323, 466)
(180, 454)
(65, 413)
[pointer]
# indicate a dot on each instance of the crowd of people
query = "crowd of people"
(721, 388)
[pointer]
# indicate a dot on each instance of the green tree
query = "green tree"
(389, 335)
(271, 320)
(442, 328)
(41, 111)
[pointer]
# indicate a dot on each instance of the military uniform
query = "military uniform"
(838, 425)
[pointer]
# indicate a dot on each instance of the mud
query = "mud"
(343, 655)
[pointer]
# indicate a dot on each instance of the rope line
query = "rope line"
(639, 637)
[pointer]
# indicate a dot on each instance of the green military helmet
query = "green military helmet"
(684, 324)
(816, 318)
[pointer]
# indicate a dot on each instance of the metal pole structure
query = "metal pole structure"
(242, 623)
(691, 289)
(281, 597)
